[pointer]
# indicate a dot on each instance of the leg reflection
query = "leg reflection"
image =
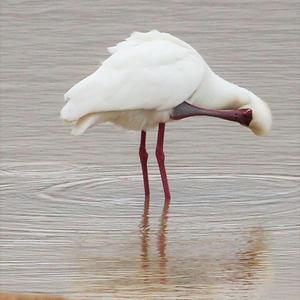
(160, 272)
(162, 242)
(145, 230)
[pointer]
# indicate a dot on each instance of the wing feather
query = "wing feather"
(157, 74)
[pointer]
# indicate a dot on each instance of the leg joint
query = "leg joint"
(160, 154)
(143, 154)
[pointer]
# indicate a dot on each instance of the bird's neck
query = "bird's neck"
(215, 92)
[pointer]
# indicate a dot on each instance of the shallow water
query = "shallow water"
(73, 217)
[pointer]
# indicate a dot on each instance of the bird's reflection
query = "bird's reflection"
(252, 258)
(241, 269)
(206, 263)
(161, 242)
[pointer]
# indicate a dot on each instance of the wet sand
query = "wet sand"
(13, 296)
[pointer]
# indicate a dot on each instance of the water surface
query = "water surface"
(73, 217)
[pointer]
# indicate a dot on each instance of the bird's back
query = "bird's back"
(137, 38)
(152, 71)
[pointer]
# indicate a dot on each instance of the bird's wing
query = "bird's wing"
(156, 74)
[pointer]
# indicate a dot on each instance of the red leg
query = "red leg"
(144, 158)
(161, 161)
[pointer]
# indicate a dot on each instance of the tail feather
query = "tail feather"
(86, 122)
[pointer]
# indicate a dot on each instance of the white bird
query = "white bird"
(153, 78)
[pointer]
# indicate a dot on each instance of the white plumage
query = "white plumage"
(148, 75)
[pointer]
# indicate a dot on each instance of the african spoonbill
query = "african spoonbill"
(153, 78)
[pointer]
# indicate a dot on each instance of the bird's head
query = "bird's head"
(261, 115)
(249, 111)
